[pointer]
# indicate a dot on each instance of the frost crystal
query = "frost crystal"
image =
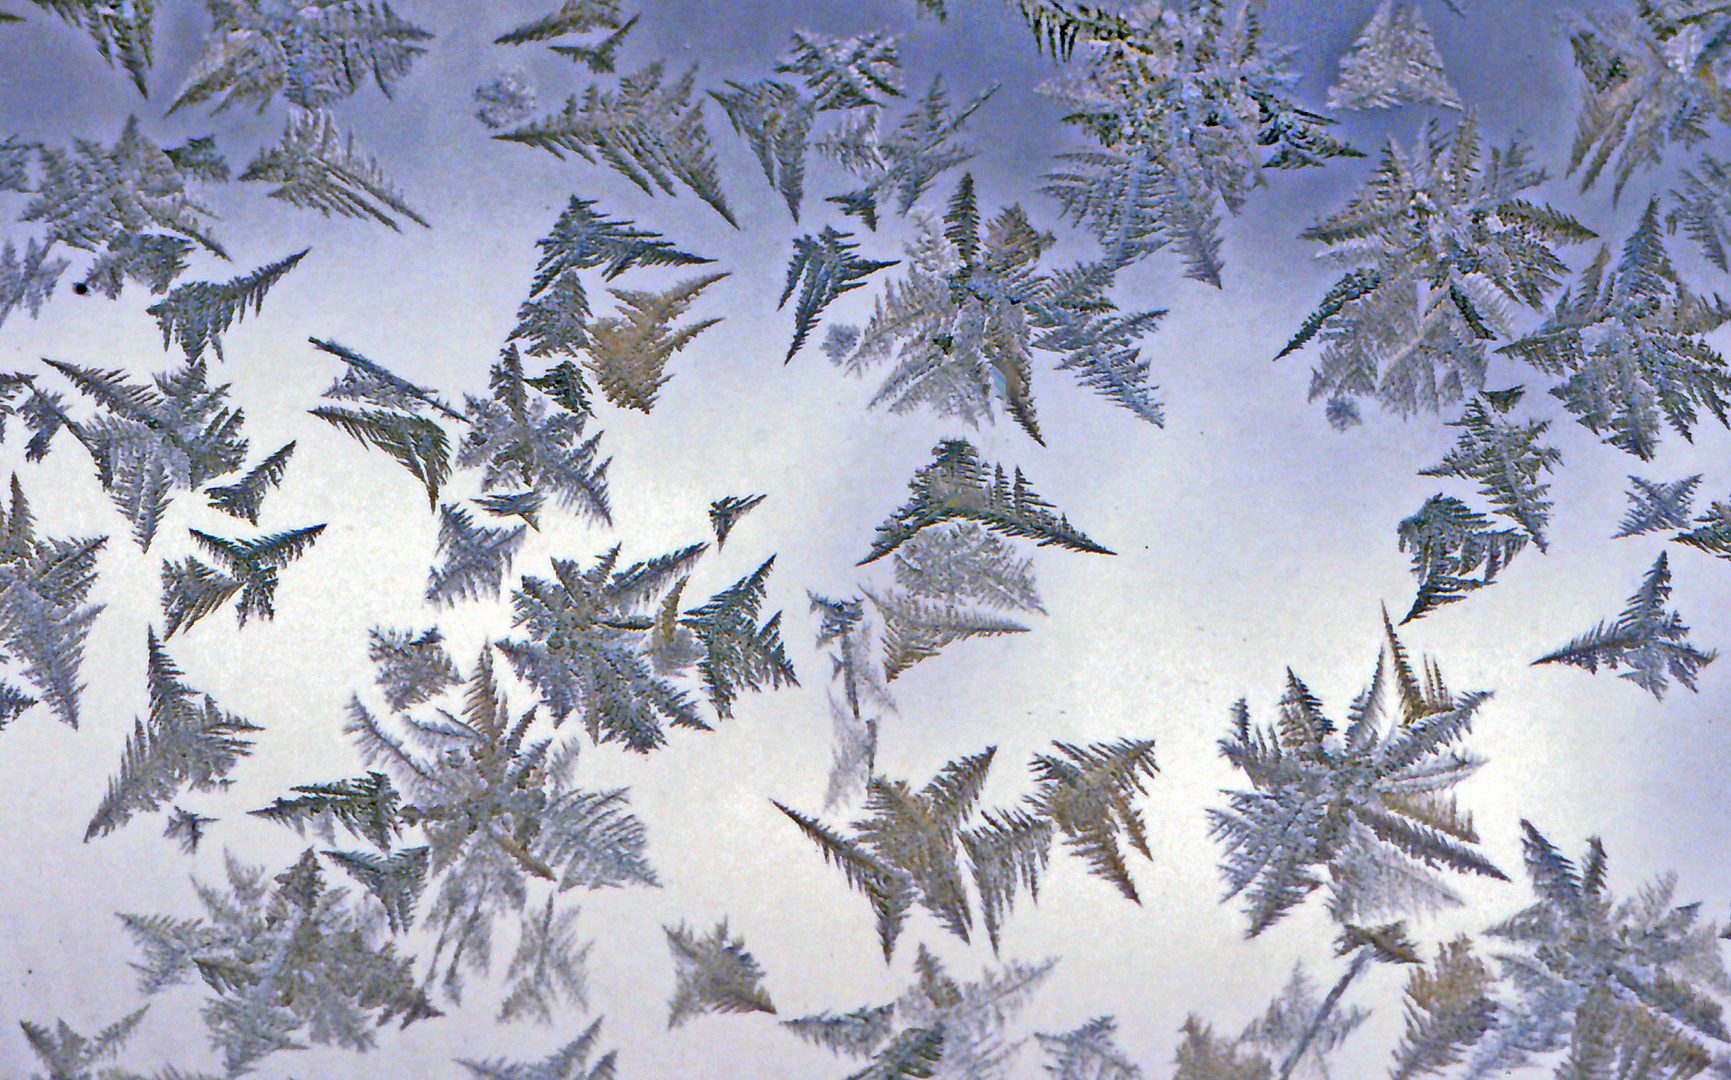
(149, 440)
(1650, 641)
(1369, 804)
(566, 1063)
(547, 968)
(315, 52)
(507, 99)
(1639, 980)
(939, 1028)
(907, 849)
(199, 313)
(958, 486)
(183, 745)
(1189, 107)
(1654, 506)
(43, 616)
(315, 168)
(1632, 345)
(191, 589)
(1439, 242)
(714, 973)
(497, 810)
(1394, 61)
(103, 199)
(650, 131)
(279, 961)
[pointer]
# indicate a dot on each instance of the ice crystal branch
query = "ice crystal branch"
(477, 558)
(44, 619)
(1203, 1055)
(583, 239)
(628, 353)
(1088, 1053)
(650, 131)
(183, 745)
(1712, 532)
(713, 973)
(737, 652)
(857, 674)
(1654, 75)
(957, 486)
(121, 29)
(30, 281)
(1086, 791)
(199, 313)
(1505, 458)
(725, 512)
(188, 827)
(1652, 642)
(964, 561)
(71, 1055)
(602, 56)
(245, 498)
(1655, 506)
(397, 427)
(1448, 1009)
(547, 968)
(367, 807)
(1449, 544)
(905, 162)
(1134, 205)
(938, 1028)
(314, 170)
(822, 268)
(573, 17)
(411, 668)
(569, 1062)
(1394, 61)
(1702, 207)
(916, 628)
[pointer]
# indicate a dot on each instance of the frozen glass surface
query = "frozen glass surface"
(960, 537)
